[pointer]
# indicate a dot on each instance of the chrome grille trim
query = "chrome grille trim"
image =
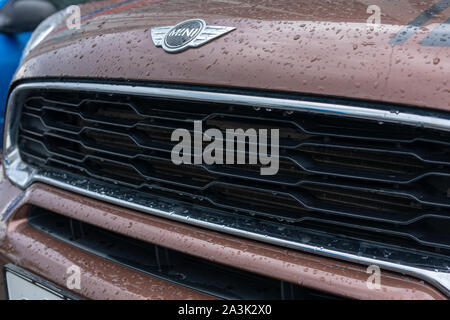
(23, 175)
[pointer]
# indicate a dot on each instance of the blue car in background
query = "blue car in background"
(11, 47)
(18, 18)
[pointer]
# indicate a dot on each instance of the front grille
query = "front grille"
(209, 277)
(360, 178)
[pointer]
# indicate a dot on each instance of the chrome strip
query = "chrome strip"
(23, 175)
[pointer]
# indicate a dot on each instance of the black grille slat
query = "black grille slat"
(303, 160)
(392, 141)
(303, 163)
(218, 182)
(417, 195)
(352, 174)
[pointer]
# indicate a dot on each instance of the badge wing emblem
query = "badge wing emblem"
(160, 35)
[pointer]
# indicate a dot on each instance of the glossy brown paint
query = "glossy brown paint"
(314, 47)
(48, 257)
(100, 279)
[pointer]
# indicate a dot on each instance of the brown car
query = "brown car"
(120, 180)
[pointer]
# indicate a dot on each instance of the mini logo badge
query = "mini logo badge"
(187, 34)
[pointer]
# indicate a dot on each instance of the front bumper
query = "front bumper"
(50, 258)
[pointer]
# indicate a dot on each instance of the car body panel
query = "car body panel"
(321, 47)
(51, 258)
(332, 276)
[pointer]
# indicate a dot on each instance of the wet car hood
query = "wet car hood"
(315, 47)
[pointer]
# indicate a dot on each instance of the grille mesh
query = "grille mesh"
(352, 176)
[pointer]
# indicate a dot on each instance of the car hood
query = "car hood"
(316, 47)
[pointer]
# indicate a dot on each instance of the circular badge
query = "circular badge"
(179, 37)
